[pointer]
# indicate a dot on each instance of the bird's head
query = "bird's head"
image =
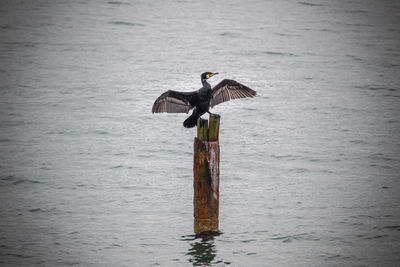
(207, 75)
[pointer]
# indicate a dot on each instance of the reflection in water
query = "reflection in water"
(202, 249)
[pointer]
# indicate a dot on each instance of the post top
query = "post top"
(208, 130)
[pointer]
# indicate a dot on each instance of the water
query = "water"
(309, 168)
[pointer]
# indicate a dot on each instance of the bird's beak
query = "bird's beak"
(211, 74)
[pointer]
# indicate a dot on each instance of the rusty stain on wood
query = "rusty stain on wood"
(206, 176)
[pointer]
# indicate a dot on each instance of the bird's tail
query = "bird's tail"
(192, 120)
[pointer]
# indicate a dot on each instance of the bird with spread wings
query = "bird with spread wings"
(200, 100)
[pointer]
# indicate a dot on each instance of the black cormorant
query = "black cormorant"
(202, 99)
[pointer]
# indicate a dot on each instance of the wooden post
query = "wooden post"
(206, 175)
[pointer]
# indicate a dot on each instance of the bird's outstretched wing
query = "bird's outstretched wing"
(229, 89)
(175, 102)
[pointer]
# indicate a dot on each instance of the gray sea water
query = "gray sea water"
(310, 167)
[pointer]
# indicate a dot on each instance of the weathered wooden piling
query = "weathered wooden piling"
(206, 175)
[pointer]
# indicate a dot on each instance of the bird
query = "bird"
(200, 100)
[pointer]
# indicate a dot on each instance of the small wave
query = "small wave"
(335, 256)
(297, 237)
(360, 25)
(101, 132)
(357, 142)
(35, 210)
(287, 34)
(127, 23)
(144, 156)
(261, 231)
(113, 245)
(73, 233)
(16, 181)
(7, 178)
(69, 132)
(121, 154)
(362, 216)
(19, 255)
(5, 27)
(118, 3)
(299, 170)
(273, 53)
(380, 156)
(376, 88)
(128, 187)
(247, 240)
(117, 167)
(292, 157)
(308, 4)
(375, 237)
(72, 263)
(358, 11)
(388, 227)
(228, 34)
(326, 30)
(45, 168)
(354, 58)
(397, 96)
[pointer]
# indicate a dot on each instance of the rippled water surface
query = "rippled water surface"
(310, 167)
